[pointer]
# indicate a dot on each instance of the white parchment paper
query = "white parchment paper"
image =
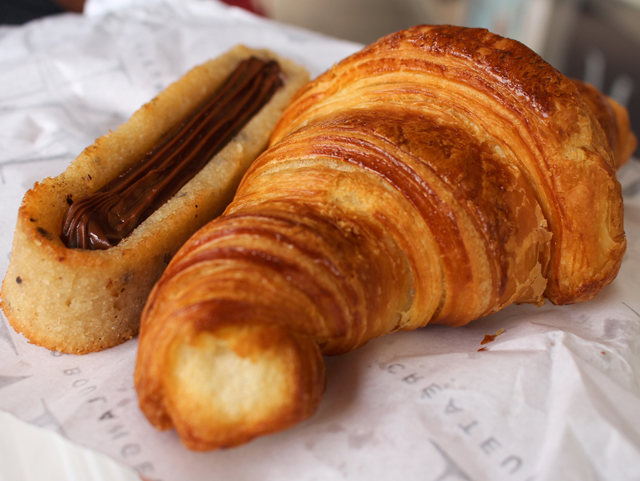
(556, 396)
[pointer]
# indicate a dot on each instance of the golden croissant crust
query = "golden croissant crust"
(438, 175)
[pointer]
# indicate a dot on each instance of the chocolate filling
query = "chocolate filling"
(102, 219)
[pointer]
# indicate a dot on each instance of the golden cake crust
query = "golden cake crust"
(79, 301)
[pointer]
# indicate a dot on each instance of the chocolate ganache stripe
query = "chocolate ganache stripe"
(102, 219)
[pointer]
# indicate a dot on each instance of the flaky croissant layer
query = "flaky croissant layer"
(438, 175)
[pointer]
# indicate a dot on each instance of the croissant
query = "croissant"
(436, 176)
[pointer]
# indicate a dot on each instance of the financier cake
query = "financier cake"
(81, 290)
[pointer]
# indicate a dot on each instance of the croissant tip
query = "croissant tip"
(227, 386)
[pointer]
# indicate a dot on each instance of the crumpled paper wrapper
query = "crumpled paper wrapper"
(555, 396)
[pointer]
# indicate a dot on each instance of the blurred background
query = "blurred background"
(594, 40)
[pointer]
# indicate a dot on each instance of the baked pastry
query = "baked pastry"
(436, 176)
(81, 269)
(613, 118)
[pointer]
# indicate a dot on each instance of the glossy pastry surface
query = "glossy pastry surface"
(436, 176)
